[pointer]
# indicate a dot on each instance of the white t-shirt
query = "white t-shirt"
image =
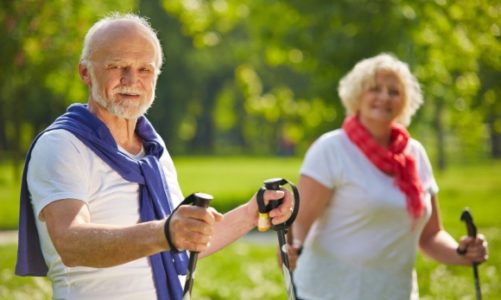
(362, 246)
(62, 167)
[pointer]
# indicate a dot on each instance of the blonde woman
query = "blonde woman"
(369, 196)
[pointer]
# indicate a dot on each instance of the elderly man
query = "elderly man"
(99, 185)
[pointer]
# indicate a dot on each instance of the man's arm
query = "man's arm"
(82, 243)
(243, 219)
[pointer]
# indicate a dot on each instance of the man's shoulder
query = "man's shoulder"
(56, 136)
(57, 141)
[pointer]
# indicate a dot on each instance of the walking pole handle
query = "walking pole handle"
(263, 221)
(281, 229)
(273, 184)
(470, 226)
(200, 200)
(472, 232)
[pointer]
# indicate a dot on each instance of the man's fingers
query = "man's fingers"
(207, 215)
(283, 212)
(192, 227)
(218, 217)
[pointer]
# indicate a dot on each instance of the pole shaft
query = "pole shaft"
(477, 282)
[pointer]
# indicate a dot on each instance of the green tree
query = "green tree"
(458, 59)
(40, 53)
(289, 55)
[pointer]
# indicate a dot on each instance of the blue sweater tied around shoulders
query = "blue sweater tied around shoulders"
(154, 196)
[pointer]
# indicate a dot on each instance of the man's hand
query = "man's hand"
(192, 227)
(279, 214)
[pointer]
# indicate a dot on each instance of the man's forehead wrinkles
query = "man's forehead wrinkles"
(128, 62)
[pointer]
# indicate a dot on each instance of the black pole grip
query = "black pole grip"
(472, 232)
(273, 184)
(470, 226)
(200, 200)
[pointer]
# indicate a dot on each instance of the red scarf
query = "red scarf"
(392, 161)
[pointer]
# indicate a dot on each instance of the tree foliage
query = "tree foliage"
(41, 42)
(295, 53)
(261, 76)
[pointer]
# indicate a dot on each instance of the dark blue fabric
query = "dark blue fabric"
(155, 202)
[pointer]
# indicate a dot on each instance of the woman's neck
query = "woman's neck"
(379, 131)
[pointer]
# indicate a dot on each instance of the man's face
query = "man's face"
(123, 73)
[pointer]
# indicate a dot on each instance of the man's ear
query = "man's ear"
(83, 70)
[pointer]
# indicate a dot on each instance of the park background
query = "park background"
(247, 86)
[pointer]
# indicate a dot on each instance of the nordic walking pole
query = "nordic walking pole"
(472, 232)
(201, 200)
(281, 229)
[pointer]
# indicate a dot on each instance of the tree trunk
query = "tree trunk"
(440, 134)
(495, 136)
(203, 141)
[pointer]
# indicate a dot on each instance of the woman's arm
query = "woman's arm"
(438, 244)
(314, 199)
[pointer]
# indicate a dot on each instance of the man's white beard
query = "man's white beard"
(127, 109)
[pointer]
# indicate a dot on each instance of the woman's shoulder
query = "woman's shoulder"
(330, 143)
(332, 136)
(418, 151)
(415, 146)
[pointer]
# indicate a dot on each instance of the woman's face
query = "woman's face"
(382, 102)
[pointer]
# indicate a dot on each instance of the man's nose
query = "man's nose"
(129, 76)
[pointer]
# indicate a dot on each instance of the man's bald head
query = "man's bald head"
(114, 26)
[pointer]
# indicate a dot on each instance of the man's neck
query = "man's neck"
(122, 130)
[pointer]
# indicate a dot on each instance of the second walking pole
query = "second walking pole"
(281, 229)
(201, 200)
(472, 232)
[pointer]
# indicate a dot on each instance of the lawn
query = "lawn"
(248, 269)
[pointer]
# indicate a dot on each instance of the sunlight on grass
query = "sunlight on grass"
(13, 287)
(232, 180)
(249, 270)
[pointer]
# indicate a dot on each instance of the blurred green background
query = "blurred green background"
(248, 269)
(247, 86)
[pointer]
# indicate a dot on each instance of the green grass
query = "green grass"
(246, 270)
(19, 288)
(231, 180)
(479, 188)
(9, 195)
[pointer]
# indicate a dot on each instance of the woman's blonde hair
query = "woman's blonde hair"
(362, 76)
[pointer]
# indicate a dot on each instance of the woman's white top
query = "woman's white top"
(362, 246)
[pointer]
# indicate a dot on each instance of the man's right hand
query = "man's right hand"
(191, 227)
